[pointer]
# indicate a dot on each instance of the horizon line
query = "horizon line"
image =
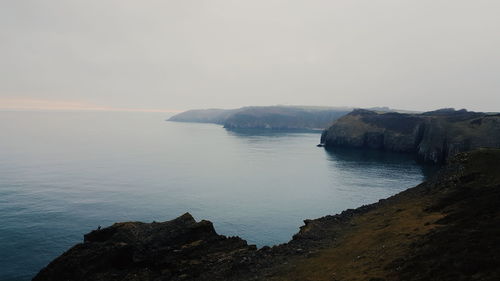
(28, 104)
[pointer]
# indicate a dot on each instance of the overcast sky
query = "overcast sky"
(176, 55)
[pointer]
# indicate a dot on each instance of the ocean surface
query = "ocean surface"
(63, 174)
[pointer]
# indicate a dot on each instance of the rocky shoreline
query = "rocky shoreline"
(443, 229)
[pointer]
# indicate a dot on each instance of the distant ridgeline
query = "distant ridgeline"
(266, 117)
(434, 136)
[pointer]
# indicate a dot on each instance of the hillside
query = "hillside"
(266, 117)
(284, 118)
(443, 229)
(433, 136)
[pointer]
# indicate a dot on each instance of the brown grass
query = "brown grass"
(367, 248)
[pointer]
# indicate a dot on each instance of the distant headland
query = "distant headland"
(266, 117)
(277, 117)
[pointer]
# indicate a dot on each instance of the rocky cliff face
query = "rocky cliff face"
(443, 229)
(432, 136)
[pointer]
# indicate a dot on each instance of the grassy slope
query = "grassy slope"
(445, 229)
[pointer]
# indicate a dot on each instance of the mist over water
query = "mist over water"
(64, 173)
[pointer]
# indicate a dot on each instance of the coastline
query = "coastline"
(372, 241)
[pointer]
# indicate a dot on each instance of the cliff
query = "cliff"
(433, 136)
(443, 229)
(266, 117)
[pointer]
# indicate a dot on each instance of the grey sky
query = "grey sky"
(186, 54)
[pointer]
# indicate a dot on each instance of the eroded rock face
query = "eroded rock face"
(432, 136)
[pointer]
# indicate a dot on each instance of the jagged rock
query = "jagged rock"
(181, 249)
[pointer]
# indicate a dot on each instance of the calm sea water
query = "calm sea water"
(64, 173)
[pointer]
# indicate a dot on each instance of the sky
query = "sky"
(167, 55)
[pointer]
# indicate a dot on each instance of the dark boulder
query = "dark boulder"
(181, 249)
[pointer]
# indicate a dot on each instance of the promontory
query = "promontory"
(432, 136)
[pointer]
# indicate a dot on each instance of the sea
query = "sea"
(63, 174)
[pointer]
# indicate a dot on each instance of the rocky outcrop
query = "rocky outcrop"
(173, 250)
(443, 229)
(433, 136)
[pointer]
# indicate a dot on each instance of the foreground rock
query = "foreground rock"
(173, 250)
(443, 229)
(433, 136)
